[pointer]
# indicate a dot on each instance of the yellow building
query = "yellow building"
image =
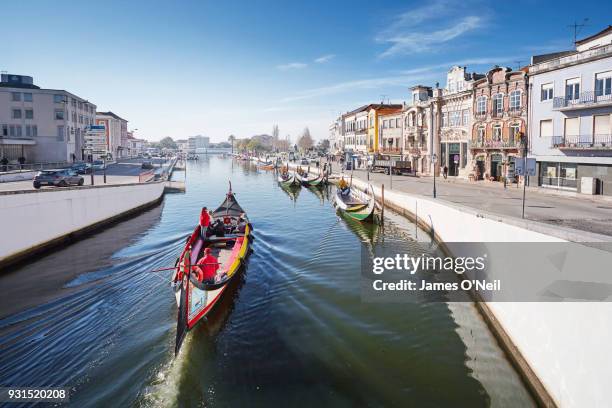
(374, 111)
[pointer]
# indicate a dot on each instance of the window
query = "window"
(497, 133)
(466, 117)
(59, 114)
(58, 98)
(601, 125)
(398, 123)
(16, 113)
(515, 99)
(27, 97)
(481, 105)
(29, 114)
(60, 133)
(73, 102)
(391, 123)
(18, 131)
(444, 119)
(28, 131)
(4, 129)
(455, 118)
(12, 130)
(15, 96)
(572, 89)
(515, 129)
(481, 134)
(603, 84)
(572, 126)
(546, 93)
(546, 128)
(385, 124)
(451, 86)
(498, 103)
(34, 131)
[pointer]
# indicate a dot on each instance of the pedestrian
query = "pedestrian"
(445, 171)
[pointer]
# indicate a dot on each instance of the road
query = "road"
(586, 214)
(123, 172)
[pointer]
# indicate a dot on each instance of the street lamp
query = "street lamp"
(434, 160)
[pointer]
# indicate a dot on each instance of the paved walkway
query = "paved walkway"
(583, 213)
(127, 171)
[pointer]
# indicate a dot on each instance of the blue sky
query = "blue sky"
(217, 68)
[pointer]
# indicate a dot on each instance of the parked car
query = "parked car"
(98, 165)
(146, 165)
(305, 162)
(81, 168)
(57, 178)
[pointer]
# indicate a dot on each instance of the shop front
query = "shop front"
(563, 176)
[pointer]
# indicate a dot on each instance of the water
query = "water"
(291, 329)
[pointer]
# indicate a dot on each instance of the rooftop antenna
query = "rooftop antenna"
(577, 27)
(518, 64)
(382, 99)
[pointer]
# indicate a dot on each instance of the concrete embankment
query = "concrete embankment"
(35, 221)
(560, 348)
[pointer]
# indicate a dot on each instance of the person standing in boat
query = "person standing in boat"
(207, 266)
(204, 222)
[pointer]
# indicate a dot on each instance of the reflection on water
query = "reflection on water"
(291, 329)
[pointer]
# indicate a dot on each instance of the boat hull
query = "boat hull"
(359, 207)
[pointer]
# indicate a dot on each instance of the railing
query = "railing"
(495, 144)
(584, 98)
(12, 167)
(515, 110)
(574, 58)
(497, 113)
(582, 142)
(480, 115)
(390, 150)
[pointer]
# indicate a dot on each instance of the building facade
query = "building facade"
(41, 125)
(198, 144)
(456, 124)
(419, 116)
(374, 111)
(570, 133)
(392, 134)
(116, 133)
(499, 123)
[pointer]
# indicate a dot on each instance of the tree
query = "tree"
(323, 145)
(167, 143)
(305, 141)
(231, 139)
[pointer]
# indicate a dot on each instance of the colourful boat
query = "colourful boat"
(288, 180)
(229, 239)
(308, 180)
(356, 204)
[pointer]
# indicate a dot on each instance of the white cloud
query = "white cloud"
(291, 66)
(324, 58)
(370, 83)
(409, 32)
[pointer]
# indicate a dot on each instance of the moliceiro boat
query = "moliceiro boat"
(308, 180)
(210, 259)
(354, 203)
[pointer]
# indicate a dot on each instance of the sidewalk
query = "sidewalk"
(589, 214)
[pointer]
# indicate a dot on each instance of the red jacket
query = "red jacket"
(209, 266)
(204, 219)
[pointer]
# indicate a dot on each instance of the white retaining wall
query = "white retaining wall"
(565, 344)
(28, 219)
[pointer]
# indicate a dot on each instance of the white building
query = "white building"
(570, 116)
(41, 125)
(183, 145)
(136, 146)
(420, 129)
(198, 144)
(116, 133)
(456, 125)
(336, 141)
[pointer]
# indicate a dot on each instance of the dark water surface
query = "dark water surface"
(291, 330)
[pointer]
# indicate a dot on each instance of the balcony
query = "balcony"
(497, 113)
(390, 150)
(515, 111)
(592, 142)
(495, 144)
(480, 115)
(585, 100)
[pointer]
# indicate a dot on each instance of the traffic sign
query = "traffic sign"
(521, 170)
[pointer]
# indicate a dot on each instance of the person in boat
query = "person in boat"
(242, 223)
(204, 222)
(207, 267)
(344, 187)
(217, 228)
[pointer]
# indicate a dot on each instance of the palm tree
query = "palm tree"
(231, 139)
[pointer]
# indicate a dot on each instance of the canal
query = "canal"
(291, 330)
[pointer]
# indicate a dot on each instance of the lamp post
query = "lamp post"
(434, 160)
